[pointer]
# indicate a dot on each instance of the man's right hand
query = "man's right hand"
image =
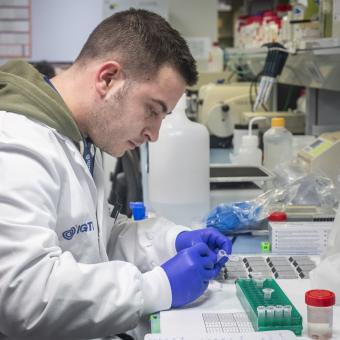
(189, 273)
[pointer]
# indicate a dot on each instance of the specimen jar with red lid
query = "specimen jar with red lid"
(320, 313)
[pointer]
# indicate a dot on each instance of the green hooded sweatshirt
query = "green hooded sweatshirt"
(23, 90)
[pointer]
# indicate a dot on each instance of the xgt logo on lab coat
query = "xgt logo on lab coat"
(81, 228)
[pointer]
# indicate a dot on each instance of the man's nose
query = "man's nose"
(152, 131)
(152, 134)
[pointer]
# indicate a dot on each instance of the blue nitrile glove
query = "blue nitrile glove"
(233, 217)
(189, 273)
(210, 236)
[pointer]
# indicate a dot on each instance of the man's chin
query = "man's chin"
(116, 153)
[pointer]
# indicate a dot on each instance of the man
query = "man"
(68, 270)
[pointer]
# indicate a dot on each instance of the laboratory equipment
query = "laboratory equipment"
(241, 130)
(220, 107)
(274, 301)
(178, 169)
(277, 144)
(327, 274)
(267, 292)
(273, 266)
(216, 58)
(299, 237)
(321, 157)
(295, 122)
(329, 22)
(303, 213)
(221, 254)
(275, 60)
(272, 298)
(238, 173)
(258, 278)
(319, 313)
(205, 77)
(249, 152)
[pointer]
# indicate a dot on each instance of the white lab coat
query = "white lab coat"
(57, 243)
(326, 275)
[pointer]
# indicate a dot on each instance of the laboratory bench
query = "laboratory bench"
(220, 300)
(221, 295)
(230, 191)
(248, 243)
(220, 155)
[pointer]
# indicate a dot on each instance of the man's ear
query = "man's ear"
(108, 75)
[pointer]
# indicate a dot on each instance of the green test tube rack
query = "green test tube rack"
(267, 314)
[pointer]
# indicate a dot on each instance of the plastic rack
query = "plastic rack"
(265, 314)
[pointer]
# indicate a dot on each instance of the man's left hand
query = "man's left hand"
(210, 236)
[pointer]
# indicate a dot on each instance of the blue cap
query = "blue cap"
(138, 210)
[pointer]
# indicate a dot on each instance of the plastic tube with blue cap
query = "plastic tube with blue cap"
(138, 210)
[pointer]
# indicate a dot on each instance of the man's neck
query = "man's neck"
(73, 92)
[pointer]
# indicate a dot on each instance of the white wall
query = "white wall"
(60, 27)
(196, 18)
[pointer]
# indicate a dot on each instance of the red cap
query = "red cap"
(277, 216)
(269, 14)
(320, 298)
(283, 7)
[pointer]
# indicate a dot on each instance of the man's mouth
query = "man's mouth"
(135, 144)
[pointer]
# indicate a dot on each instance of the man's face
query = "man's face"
(132, 114)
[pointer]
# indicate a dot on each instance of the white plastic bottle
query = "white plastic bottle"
(179, 169)
(216, 58)
(277, 144)
(249, 153)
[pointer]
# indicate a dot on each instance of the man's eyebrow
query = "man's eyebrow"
(162, 104)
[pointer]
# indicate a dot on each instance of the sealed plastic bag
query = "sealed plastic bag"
(245, 216)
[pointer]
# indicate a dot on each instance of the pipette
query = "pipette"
(275, 61)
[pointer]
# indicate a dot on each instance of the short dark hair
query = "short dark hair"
(143, 42)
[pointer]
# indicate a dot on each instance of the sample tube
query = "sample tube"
(261, 315)
(278, 314)
(221, 253)
(234, 258)
(287, 314)
(258, 279)
(267, 292)
(270, 315)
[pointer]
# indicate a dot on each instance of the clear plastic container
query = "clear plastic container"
(216, 58)
(178, 179)
(277, 144)
(320, 313)
(326, 18)
(241, 130)
(249, 153)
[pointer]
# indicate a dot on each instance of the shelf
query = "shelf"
(315, 66)
(321, 71)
